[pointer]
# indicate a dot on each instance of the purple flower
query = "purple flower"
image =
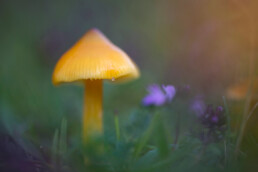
(170, 91)
(218, 113)
(219, 109)
(198, 106)
(157, 96)
(214, 119)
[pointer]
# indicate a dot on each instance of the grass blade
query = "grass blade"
(63, 137)
(146, 136)
(55, 147)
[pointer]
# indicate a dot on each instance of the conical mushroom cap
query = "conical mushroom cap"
(94, 57)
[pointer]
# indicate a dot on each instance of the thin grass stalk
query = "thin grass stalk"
(54, 150)
(116, 120)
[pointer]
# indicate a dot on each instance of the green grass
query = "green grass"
(145, 142)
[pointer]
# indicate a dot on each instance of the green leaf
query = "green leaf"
(146, 136)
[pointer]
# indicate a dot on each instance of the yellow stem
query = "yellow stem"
(92, 112)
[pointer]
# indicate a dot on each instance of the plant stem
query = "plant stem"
(117, 127)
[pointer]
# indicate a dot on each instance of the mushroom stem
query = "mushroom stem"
(92, 112)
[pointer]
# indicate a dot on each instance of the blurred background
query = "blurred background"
(204, 44)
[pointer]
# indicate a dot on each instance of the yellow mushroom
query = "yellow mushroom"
(91, 60)
(239, 91)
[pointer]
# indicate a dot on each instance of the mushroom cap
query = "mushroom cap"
(94, 57)
(239, 91)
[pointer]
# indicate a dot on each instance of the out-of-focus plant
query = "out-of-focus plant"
(158, 96)
(214, 124)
